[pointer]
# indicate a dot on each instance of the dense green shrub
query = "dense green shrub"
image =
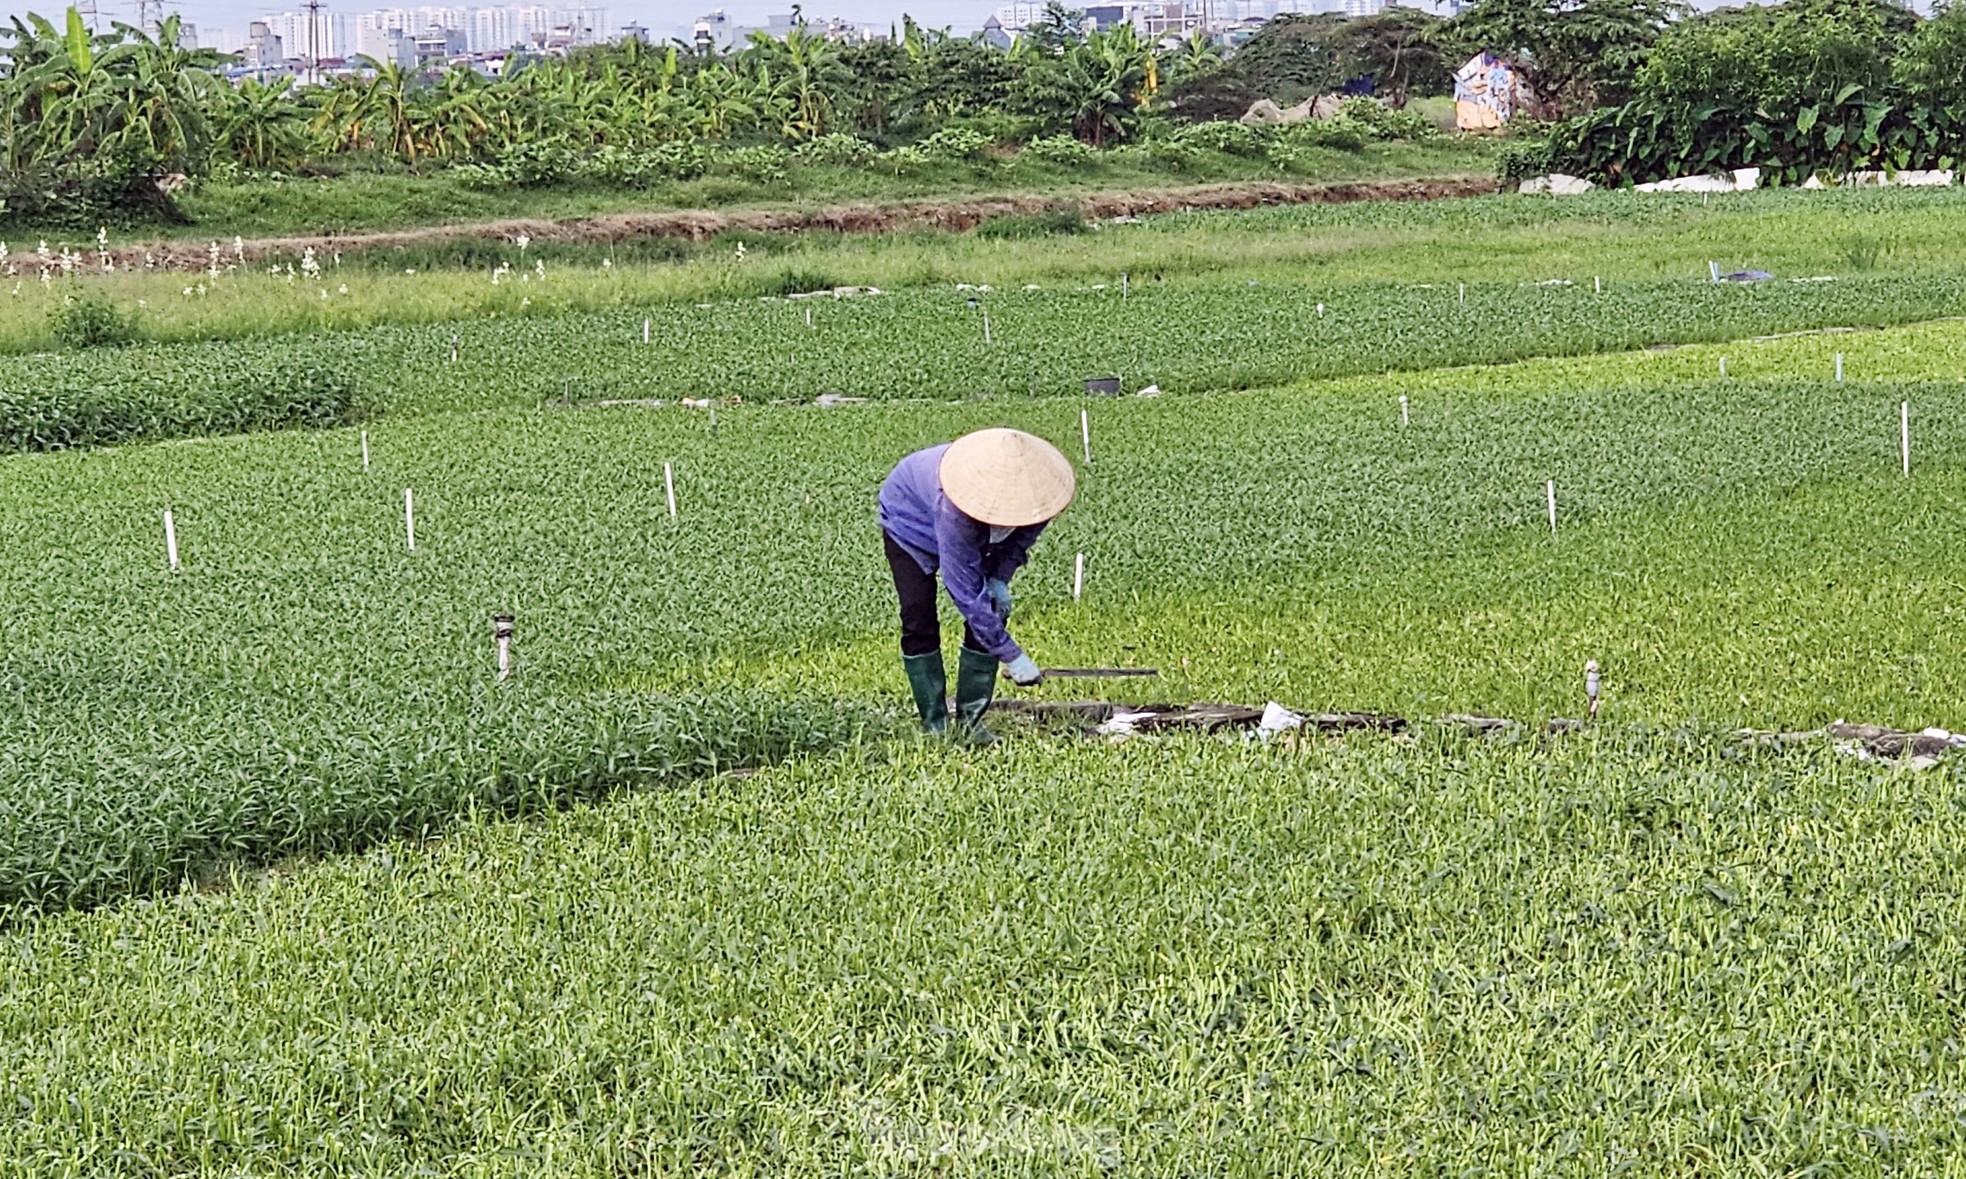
(1059, 219)
(1235, 139)
(1060, 149)
(955, 143)
(838, 150)
(1386, 124)
(764, 164)
(91, 321)
(1523, 158)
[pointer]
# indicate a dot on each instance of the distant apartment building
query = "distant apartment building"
(263, 49)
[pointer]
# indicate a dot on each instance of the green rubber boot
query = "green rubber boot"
(930, 684)
(976, 686)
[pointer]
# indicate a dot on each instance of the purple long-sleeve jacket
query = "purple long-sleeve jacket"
(937, 535)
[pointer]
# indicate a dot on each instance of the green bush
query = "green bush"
(1383, 123)
(532, 165)
(1060, 219)
(1231, 139)
(91, 321)
(1522, 158)
(955, 143)
(764, 164)
(838, 150)
(1060, 149)
(1339, 134)
(903, 161)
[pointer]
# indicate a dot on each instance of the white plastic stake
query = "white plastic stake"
(669, 487)
(456, 340)
(409, 518)
(1839, 368)
(365, 450)
(1464, 294)
(502, 628)
(170, 538)
(1713, 268)
(986, 329)
(808, 317)
(1598, 282)
(1723, 368)
(1904, 434)
(1125, 285)
(1403, 418)
(713, 421)
(1085, 435)
(1551, 488)
(1078, 577)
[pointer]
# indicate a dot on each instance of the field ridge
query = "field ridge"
(862, 217)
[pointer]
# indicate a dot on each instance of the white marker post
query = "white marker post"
(645, 329)
(1723, 368)
(1597, 281)
(365, 450)
(669, 487)
(1904, 434)
(1839, 368)
(1085, 436)
(1125, 285)
(986, 328)
(1464, 294)
(409, 518)
(456, 342)
(1713, 268)
(1403, 418)
(808, 317)
(1078, 577)
(502, 630)
(170, 538)
(1551, 488)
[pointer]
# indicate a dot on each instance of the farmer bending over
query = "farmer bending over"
(970, 508)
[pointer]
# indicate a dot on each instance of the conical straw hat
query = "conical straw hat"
(1007, 478)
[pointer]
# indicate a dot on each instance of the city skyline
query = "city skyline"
(662, 19)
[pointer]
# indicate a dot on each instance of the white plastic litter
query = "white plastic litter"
(1907, 178)
(1277, 719)
(1740, 180)
(1122, 724)
(1149, 391)
(1556, 184)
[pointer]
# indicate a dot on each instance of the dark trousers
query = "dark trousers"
(921, 629)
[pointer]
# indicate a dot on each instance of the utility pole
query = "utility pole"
(314, 40)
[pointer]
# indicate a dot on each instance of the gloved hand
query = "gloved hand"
(1024, 672)
(999, 591)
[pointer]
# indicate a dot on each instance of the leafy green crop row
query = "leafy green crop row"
(142, 394)
(304, 682)
(1183, 337)
(1593, 957)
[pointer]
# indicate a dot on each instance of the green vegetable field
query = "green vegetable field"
(293, 884)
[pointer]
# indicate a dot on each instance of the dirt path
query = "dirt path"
(697, 225)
